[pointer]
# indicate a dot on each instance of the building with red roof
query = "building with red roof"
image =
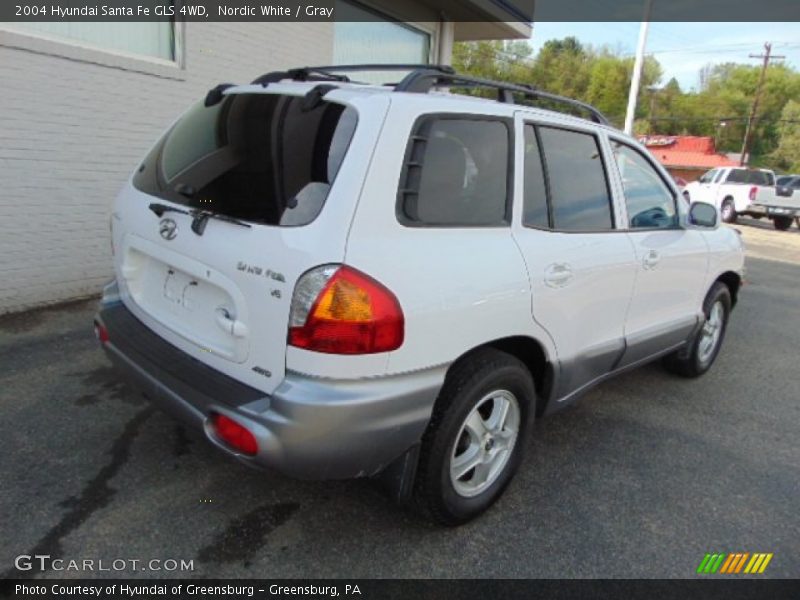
(686, 156)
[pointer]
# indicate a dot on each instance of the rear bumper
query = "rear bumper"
(781, 211)
(307, 428)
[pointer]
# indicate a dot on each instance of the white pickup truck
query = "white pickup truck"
(735, 191)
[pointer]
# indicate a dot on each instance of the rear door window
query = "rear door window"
(737, 176)
(579, 192)
(256, 157)
(456, 173)
(535, 205)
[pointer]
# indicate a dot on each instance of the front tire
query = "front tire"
(782, 223)
(475, 440)
(704, 348)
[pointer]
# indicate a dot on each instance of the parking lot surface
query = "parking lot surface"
(641, 478)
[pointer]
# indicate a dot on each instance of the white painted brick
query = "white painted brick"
(71, 132)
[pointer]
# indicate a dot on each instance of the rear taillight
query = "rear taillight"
(752, 194)
(339, 310)
(101, 333)
(236, 436)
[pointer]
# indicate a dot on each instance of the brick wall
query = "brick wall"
(74, 123)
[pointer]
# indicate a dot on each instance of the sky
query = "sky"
(683, 48)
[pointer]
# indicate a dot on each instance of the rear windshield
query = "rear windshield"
(257, 157)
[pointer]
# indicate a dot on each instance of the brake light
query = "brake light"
(753, 192)
(236, 436)
(339, 310)
(101, 333)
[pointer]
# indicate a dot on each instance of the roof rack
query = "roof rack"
(424, 78)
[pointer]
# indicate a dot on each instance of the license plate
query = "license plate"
(780, 211)
(178, 289)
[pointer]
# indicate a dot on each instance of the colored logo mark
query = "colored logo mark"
(734, 563)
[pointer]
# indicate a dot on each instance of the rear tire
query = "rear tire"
(782, 223)
(475, 440)
(728, 211)
(702, 351)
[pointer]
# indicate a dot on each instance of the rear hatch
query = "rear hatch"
(225, 213)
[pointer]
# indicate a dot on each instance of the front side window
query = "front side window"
(456, 174)
(579, 191)
(257, 157)
(649, 200)
(708, 176)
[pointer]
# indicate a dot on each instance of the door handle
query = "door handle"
(558, 275)
(651, 259)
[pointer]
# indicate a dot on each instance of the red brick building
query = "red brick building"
(686, 156)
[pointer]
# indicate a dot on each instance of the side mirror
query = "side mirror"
(783, 191)
(702, 215)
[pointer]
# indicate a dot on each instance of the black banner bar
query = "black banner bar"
(520, 11)
(732, 588)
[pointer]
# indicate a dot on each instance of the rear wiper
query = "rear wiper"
(200, 219)
(160, 209)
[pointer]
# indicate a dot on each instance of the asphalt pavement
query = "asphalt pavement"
(646, 474)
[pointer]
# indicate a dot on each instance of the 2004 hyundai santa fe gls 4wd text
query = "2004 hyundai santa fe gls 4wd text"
(337, 280)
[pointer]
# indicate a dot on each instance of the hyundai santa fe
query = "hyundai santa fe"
(335, 279)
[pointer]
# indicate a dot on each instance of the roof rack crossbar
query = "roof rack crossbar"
(447, 69)
(328, 72)
(423, 80)
(303, 74)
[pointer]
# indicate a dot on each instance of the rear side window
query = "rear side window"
(456, 174)
(737, 176)
(256, 157)
(579, 191)
(751, 177)
(535, 212)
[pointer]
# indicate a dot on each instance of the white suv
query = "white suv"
(343, 280)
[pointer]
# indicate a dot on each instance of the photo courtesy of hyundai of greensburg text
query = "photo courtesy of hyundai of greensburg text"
(387, 299)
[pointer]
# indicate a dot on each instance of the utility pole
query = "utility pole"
(748, 132)
(633, 94)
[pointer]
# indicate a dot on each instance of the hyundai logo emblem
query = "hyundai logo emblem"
(168, 229)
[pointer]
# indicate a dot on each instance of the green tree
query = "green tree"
(787, 154)
(601, 76)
